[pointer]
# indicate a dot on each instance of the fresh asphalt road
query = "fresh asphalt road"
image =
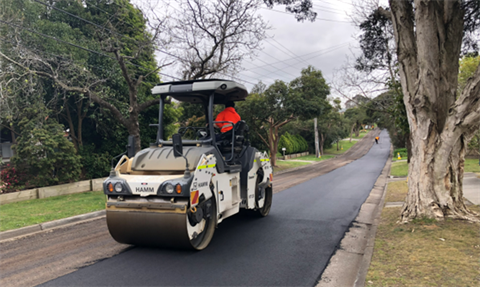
(291, 246)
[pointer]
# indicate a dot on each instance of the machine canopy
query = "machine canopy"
(198, 91)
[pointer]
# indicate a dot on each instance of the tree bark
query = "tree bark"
(428, 40)
(322, 141)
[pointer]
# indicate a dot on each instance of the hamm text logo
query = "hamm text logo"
(144, 189)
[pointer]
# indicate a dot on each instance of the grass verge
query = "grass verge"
(397, 191)
(471, 165)
(35, 211)
(283, 165)
(343, 146)
(424, 252)
(400, 169)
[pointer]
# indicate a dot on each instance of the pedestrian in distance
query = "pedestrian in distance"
(376, 140)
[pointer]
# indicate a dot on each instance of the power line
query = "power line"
(323, 51)
(295, 55)
(75, 45)
(321, 19)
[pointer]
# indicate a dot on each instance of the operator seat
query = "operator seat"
(225, 144)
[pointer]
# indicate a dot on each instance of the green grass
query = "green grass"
(345, 144)
(471, 165)
(423, 252)
(313, 158)
(361, 135)
(284, 165)
(400, 169)
(35, 211)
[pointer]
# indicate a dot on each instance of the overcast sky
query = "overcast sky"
(324, 44)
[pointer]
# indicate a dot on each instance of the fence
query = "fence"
(293, 155)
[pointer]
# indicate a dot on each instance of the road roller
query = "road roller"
(175, 192)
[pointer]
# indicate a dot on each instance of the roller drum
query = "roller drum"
(149, 228)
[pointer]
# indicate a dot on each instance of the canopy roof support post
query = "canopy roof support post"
(210, 118)
(160, 120)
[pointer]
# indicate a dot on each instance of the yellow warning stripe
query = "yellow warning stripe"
(206, 166)
(262, 159)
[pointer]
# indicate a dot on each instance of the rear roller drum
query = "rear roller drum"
(207, 213)
(263, 197)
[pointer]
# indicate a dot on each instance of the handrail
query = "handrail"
(233, 137)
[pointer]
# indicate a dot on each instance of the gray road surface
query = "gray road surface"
(290, 247)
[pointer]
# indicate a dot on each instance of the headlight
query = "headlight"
(169, 188)
(118, 187)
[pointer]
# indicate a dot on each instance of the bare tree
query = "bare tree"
(213, 37)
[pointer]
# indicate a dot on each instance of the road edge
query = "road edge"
(350, 263)
(28, 230)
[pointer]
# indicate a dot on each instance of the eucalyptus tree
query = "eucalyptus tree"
(429, 36)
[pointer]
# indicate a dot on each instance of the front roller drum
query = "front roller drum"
(158, 229)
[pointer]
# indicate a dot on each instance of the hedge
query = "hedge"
(292, 143)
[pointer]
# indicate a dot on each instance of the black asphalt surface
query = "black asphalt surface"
(290, 247)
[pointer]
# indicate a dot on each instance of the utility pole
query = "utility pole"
(317, 150)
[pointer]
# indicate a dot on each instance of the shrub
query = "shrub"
(293, 143)
(293, 140)
(302, 143)
(94, 165)
(11, 179)
(403, 153)
(42, 151)
(285, 142)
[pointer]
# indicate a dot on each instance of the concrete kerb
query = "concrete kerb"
(349, 265)
(24, 231)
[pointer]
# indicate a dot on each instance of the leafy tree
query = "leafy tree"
(115, 69)
(301, 8)
(441, 120)
(266, 113)
(331, 127)
(43, 152)
(356, 116)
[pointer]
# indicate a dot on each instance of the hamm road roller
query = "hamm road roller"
(176, 192)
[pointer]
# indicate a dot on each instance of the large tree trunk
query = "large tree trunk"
(435, 177)
(428, 45)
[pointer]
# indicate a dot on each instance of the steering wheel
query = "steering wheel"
(185, 129)
(202, 133)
